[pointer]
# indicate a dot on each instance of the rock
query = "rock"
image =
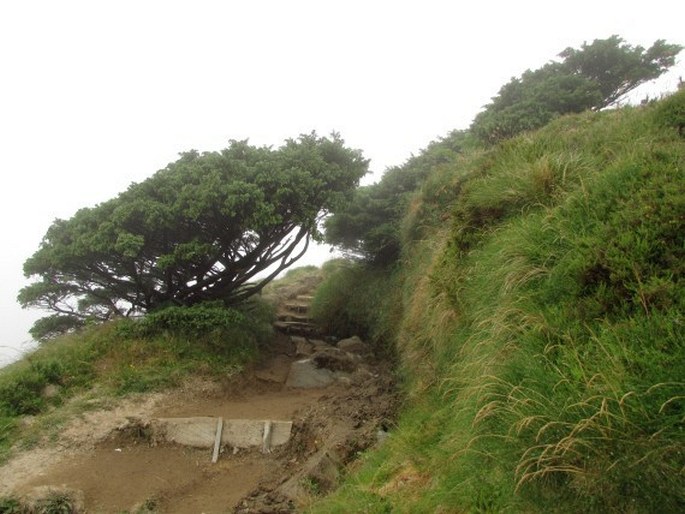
(354, 345)
(307, 375)
(381, 436)
(325, 474)
(343, 378)
(320, 344)
(334, 360)
(303, 348)
(27, 421)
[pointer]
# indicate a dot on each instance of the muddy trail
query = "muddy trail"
(281, 433)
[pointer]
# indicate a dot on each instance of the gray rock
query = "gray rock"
(354, 345)
(306, 375)
(334, 359)
(304, 348)
(298, 339)
(320, 345)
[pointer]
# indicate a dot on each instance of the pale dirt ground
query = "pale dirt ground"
(104, 460)
(113, 472)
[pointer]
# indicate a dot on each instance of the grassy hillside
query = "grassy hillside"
(541, 326)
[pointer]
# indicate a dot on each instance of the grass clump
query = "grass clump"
(54, 502)
(543, 330)
(357, 299)
(10, 505)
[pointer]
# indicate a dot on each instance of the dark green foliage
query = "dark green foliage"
(197, 320)
(369, 226)
(54, 503)
(615, 68)
(636, 261)
(169, 343)
(201, 229)
(53, 326)
(23, 385)
(593, 77)
(10, 505)
(8, 427)
(24, 396)
(366, 227)
(533, 101)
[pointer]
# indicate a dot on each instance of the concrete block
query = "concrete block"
(200, 432)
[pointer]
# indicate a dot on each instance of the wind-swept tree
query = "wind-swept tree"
(593, 77)
(200, 229)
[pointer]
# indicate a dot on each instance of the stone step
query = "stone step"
(289, 316)
(296, 327)
(300, 307)
(304, 298)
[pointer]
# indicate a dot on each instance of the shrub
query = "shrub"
(22, 389)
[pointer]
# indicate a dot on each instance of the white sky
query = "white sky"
(97, 94)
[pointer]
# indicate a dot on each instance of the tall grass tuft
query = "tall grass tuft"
(358, 299)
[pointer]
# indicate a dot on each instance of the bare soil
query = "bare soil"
(111, 467)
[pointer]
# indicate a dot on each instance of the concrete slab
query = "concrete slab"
(243, 433)
(200, 432)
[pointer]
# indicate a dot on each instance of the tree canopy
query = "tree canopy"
(593, 77)
(369, 225)
(200, 229)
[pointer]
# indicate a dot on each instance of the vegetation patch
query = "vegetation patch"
(131, 356)
(353, 299)
(541, 327)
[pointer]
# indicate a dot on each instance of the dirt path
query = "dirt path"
(122, 473)
(106, 460)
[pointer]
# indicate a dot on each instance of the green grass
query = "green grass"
(356, 299)
(54, 502)
(542, 328)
